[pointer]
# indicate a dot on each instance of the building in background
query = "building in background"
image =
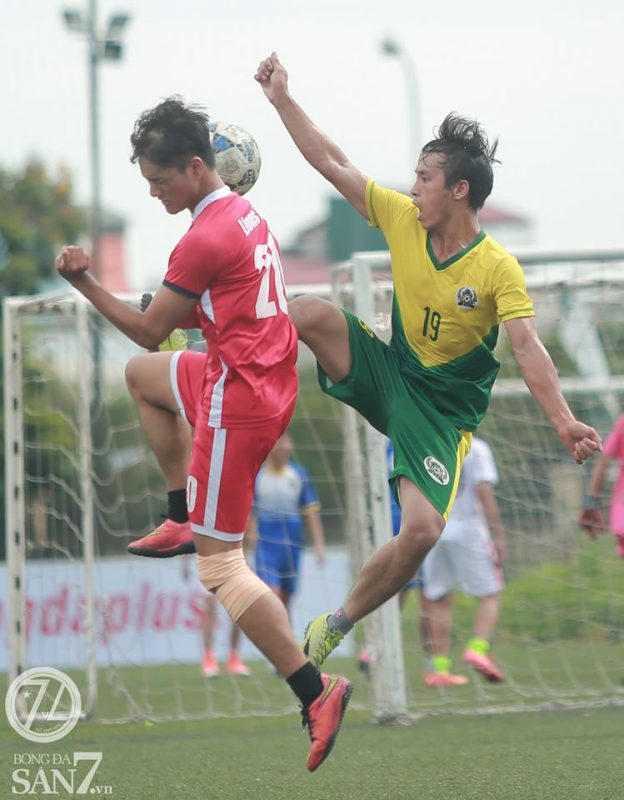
(113, 271)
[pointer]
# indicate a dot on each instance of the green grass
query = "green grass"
(560, 642)
(449, 754)
(582, 597)
(567, 755)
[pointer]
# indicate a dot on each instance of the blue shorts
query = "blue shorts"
(277, 564)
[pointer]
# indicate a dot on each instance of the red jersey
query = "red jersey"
(230, 262)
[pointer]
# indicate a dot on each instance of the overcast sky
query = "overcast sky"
(546, 77)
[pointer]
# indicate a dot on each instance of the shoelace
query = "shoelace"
(306, 722)
(330, 643)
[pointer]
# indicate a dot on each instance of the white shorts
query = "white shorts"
(466, 564)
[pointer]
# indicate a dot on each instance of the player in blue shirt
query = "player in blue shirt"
(285, 501)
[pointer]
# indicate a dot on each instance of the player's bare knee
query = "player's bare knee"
(417, 538)
(133, 372)
(307, 313)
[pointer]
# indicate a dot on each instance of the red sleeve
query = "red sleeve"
(193, 265)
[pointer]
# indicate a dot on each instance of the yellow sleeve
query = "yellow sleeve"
(510, 292)
(385, 206)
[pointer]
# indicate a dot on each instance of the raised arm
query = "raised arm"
(541, 377)
(317, 148)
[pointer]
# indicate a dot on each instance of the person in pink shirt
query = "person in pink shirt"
(591, 517)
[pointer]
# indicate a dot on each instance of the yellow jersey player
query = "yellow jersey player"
(430, 387)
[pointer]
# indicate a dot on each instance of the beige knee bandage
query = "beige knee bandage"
(229, 577)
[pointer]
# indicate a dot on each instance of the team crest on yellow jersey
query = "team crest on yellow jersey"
(467, 298)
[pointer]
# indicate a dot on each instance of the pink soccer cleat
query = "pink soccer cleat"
(365, 660)
(484, 665)
(323, 717)
(437, 679)
(237, 667)
(168, 540)
(210, 666)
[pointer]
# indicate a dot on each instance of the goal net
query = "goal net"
(81, 484)
(560, 633)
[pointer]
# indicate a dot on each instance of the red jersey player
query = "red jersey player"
(225, 273)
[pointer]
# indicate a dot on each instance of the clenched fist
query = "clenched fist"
(592, 520)
(273, 78)
(71, 263)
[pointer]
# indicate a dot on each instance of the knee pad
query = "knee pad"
(229, 577)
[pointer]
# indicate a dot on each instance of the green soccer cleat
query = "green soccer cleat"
(319, 641)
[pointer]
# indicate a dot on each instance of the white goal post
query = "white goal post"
(15, 517)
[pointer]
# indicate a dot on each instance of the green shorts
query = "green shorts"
(428, 449)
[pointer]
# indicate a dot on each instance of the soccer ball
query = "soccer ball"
(237, 155)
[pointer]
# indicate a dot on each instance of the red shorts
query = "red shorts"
(186, 372)
(225, 461)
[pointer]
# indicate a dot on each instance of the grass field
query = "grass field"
(567, 755)
(450, 753)
(476, 741)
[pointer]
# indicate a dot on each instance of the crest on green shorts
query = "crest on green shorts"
(436, 470)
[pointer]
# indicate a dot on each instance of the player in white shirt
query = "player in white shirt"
(468, 556)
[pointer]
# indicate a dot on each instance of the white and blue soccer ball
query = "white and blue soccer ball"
(237, 156)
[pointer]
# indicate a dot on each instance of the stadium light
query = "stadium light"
(74, 21)
(105, 47)
(393, 49)
(117, 25)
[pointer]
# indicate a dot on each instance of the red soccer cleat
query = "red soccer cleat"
(323, 717)
(365, 660)
(168, 540)
(210, 665)
(484, 665)
(236, 666)
(442, 679)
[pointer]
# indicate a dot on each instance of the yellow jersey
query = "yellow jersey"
(445, 316)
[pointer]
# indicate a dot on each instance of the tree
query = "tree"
(36, 215)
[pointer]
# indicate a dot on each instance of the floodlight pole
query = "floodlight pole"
(105, 47)
(94, 123)
(392, 48)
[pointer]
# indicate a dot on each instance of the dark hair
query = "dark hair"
(172, 133)
(467, 155)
